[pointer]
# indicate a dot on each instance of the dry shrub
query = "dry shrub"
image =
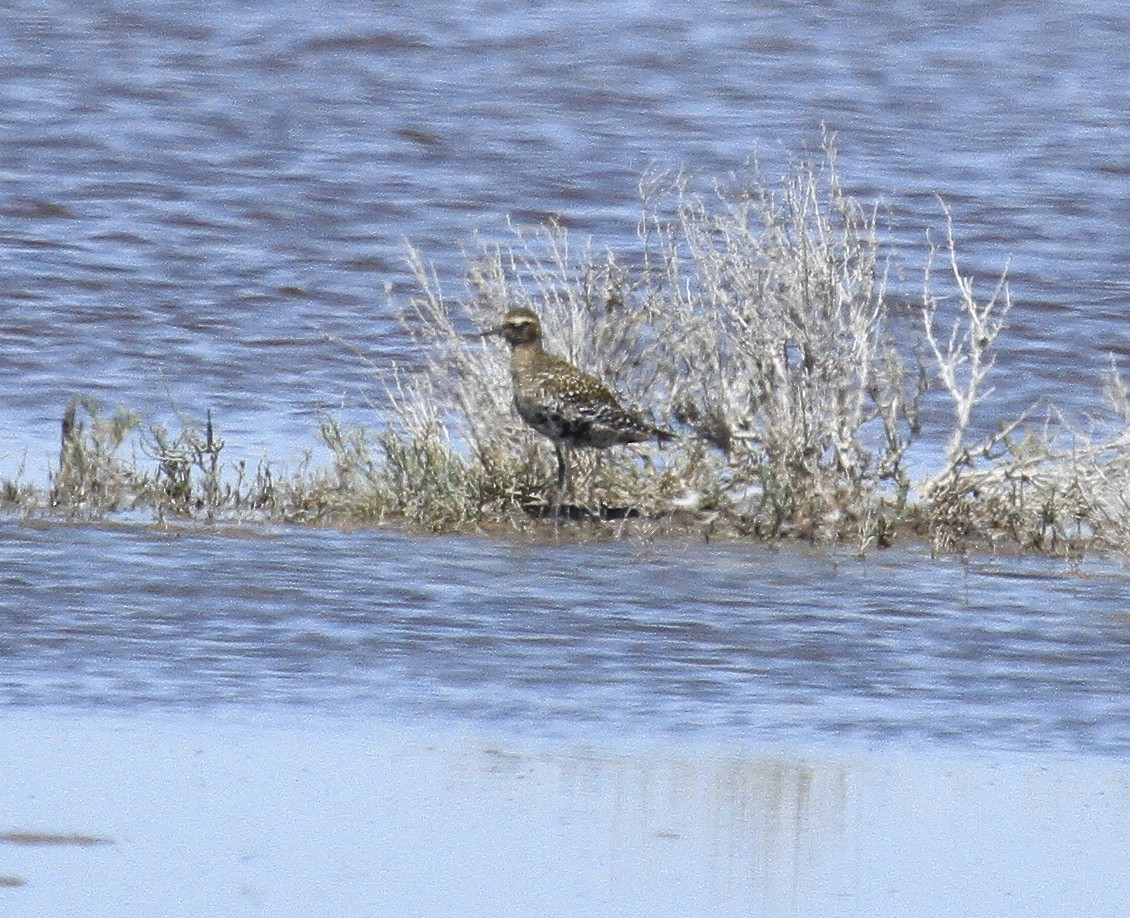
(92, 476)
(1056, 488)
(781, 350)
(753, 322)
(99, 471)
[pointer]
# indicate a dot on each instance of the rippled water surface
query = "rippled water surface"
(739, 645)
(202, 205)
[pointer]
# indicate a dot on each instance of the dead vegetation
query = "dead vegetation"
(752, 319)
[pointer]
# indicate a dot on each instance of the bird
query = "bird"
(561, 401)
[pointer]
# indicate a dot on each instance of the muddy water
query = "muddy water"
(204, 205)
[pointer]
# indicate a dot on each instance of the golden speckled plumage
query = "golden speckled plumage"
(562, 402)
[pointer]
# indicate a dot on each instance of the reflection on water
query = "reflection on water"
(51, 838)
(739, 832)
(294, 817)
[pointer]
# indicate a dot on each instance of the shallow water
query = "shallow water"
(206, 205)
(300, 721)
(725, 643)
(293, 817)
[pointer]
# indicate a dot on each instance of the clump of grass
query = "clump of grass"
(93, 477)
(397, 476)
(101, 472)
(16, 492)
(179, 456)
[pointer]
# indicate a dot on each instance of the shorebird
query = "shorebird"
(563, 402)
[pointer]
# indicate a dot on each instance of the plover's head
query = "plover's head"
(519, 326)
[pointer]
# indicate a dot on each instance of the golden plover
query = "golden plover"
(562, 402)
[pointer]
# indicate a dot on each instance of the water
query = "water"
(203, 205)
(360, 723)
(242, 818)
(207, 205)
(723, 643)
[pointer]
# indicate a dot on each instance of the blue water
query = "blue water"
(208, 206)
(715, 643)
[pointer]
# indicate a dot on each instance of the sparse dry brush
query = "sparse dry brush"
(1047, 486)
(753, 319)
(783, 355)
(99, 472)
